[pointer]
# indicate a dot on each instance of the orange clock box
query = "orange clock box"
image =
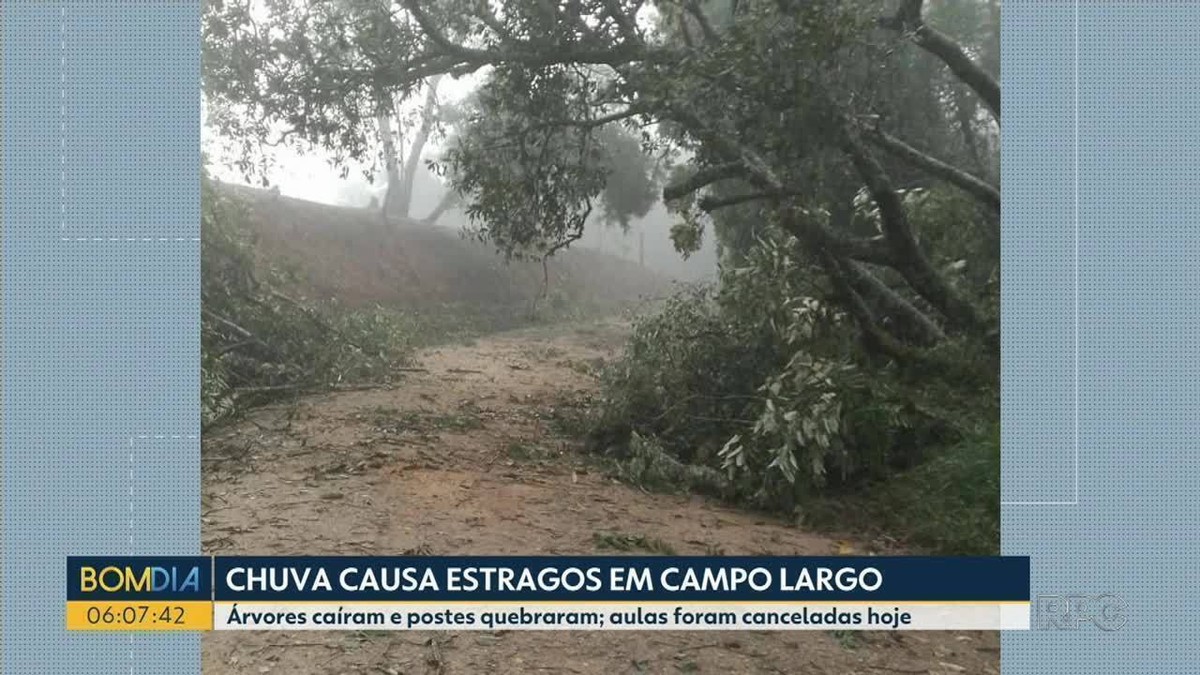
(189, 615)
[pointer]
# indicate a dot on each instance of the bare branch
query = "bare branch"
(909, 20)
(973, 185)
(700, 179)
(701, 18)
(631, 111)
(925, 329)
(873, 249)
(238, 329)
(709, 203)
(907, 256)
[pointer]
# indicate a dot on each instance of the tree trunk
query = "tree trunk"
(448, 200)
(964, 113)
(972, 185)
(397, 201)
(912, 322)
(909, 20)
(907, 255)
(383, 121)
(408, 173)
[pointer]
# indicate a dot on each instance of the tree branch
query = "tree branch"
(877, 339)
(907, 255)
(524, 52)
(746, 162)
(238, 329)
(448, 200)
(806, 228)
(709, 203)
(973, 185)
(412, 162)
(909, 20)
(631, 111)
(700, 179)
(706, 27)
(923, 329)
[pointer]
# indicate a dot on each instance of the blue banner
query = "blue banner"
(617, 578)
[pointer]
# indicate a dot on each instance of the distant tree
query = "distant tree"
(631, 186)
(273, 67)
(401, 176)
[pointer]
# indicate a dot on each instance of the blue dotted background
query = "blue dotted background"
(1133, 532)
(100, 308)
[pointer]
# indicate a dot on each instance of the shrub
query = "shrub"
(258, 343)
(687, 377)
(762, 380)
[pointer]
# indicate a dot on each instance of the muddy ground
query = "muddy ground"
(465, 457)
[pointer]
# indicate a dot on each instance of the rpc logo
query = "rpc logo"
(1073, 612)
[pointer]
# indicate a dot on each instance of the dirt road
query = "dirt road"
(464, 458)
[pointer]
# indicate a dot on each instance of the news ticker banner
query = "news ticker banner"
(547, 593)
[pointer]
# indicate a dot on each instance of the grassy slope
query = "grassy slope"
(349, 256)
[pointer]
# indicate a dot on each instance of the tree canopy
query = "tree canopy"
(819, 115)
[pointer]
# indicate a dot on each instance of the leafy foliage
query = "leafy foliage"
(532, 173)
(764, 380)
(531, 189)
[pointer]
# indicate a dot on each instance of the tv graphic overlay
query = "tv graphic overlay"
(548, 593)
(139, 593)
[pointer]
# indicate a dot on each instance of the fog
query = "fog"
(647, 240)
(310, 176)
